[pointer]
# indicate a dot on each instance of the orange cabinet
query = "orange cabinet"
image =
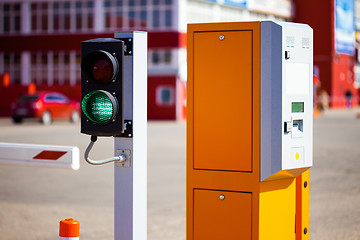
(222, 215)
(223, 79)
(226, 198)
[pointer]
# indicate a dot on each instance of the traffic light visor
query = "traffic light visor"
(100, 66)
(99, 106)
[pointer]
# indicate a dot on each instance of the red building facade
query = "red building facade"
(40, 41)
(40, 45)
(335, 68)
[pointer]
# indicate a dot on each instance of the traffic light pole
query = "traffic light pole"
(131, 176)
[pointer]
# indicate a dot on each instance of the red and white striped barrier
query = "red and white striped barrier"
(69, 229)
(40, 155)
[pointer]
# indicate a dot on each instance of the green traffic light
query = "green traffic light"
(99, 106)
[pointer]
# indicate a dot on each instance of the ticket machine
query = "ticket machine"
(249, 129)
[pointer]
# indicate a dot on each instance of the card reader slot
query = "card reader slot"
(298, 125)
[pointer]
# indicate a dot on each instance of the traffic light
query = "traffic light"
(114, 103)
(102, 74)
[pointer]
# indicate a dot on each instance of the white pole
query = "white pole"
(131, 178)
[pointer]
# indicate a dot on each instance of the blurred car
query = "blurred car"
(45, 106)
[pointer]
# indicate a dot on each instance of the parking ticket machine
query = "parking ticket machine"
(286, 99)
(249, 129)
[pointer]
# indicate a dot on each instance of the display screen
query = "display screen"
(297, 107)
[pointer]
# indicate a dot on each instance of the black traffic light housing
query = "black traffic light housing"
(102, 77)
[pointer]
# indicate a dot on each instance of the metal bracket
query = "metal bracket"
(127, 162)
(128, 46)
(128, 133)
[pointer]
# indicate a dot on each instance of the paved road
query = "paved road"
(33, 200)
(335, 177)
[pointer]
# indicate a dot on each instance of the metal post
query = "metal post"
(131, 176)
(302, 206)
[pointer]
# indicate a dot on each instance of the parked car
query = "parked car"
(45, 106)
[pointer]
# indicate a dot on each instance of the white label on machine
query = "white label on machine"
(297, 78)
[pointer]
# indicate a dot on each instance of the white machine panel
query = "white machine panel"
(286, 99)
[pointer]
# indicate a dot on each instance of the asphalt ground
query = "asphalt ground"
(33, 200)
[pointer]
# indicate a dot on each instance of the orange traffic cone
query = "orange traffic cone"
(69, 229)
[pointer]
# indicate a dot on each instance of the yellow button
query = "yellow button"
(297, 156)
